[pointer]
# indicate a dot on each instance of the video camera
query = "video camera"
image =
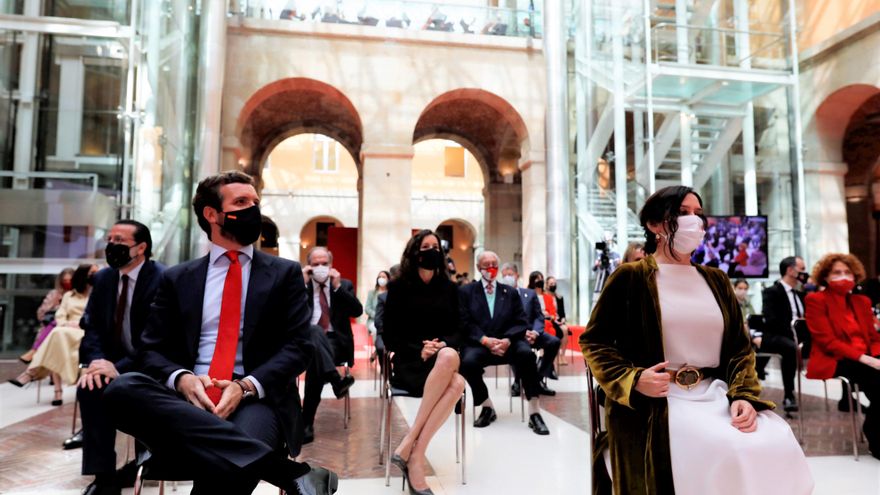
(604, 258)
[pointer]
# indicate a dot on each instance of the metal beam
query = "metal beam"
(665, 138)
(729, 73)
(599, 140)
(64, 26)
(719, 149)
(706, 92)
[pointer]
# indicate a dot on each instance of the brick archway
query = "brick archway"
(849, 119)
(294, 106)
(483, 122)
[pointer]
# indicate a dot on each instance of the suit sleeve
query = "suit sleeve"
(774, 315)
(819, 323)
(163, 346)
(518, 322)
(379, 315)
(344, 300)
(90, 346)
(537, 316)
(293, 357)
(469, 325)
(616, 374)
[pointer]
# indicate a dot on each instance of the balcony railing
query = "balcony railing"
(718, 46)
(413, 15)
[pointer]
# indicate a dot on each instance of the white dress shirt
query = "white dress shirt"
(126, 318)
(218, 265)
(793, 300)
(316, 301)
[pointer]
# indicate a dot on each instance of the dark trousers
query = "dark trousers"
(868, 380)
(785, 347)
(550, 345)
(519, 355)
(220, 455)
(321, 370)
(99, 434)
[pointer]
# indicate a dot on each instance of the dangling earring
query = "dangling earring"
(657, 238)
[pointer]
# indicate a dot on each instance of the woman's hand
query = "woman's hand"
(870, 361)
(654, 381)
(744, 417)
(430, 347)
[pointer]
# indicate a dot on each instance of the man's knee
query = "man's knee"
(124, 387)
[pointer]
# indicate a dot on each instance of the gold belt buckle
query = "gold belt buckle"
(688, 377)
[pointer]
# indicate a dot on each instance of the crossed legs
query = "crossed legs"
(443, 389)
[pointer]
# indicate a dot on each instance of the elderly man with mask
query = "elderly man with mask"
(535, 334)
(495, 324)
(333, 304)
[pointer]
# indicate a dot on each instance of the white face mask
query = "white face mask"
(742, 293)
(381, 281)
(689, 235)
(320, 273)
(508, 280)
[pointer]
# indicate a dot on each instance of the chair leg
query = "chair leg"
(509, 385)
(522, 403)
(825, 387)
(161, 487)
(39, 386)
(852, 415)
(388, 403)
(75, 410)
(496, 377)
(463, 434)
(859, 411)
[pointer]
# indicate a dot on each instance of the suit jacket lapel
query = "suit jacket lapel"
(141, 284)
(259, 286)
(498, 302)
(194, 283)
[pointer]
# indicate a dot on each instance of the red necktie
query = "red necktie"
(489, 288)
(324, 319)
(227, 331)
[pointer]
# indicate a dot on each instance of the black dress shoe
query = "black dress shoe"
(74, 442)
(102, 488)
(789, 404)
(127, 474)
(553, 375)
(487, 416)
(341, 387)
(308, 434)
(536, 423)
(515, 389)
(543, 390)
(318, 481)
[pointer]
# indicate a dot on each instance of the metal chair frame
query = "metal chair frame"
(389, 393)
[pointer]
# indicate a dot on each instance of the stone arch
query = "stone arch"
(837, 112)
(483, 122)
(860, 149)
(291, 106)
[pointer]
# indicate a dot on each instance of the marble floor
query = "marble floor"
(503, 458)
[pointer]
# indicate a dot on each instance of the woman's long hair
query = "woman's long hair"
(60, 277)
(80, 279)
(387, 277)
(533, 277)
(409, 261)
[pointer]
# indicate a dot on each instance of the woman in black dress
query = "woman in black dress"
(421, 328)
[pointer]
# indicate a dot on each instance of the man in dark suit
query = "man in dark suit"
(495, 323)
(113, 321)
(332, 303)
(226, 337)
(535, 334)
(783, 302)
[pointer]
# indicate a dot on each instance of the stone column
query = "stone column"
(534, 213)
(826, 212)
(385, 221)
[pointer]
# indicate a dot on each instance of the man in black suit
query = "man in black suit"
(332, 303)
(226, 337)
(783, 302)
(495, 323)
(535, 334)
(113, 321)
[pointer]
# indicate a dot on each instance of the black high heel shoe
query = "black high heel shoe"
(58, 402)
(401, 464)
(20, 384)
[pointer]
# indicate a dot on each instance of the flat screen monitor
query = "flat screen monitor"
(736, 244)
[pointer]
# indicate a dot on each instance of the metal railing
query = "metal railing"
(717, 46)
(54, 175)
(413, 15)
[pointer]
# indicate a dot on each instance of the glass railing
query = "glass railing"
(413, 15)
(718, 46)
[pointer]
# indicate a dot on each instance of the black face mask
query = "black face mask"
(803, 277)
(117, 255)
(430, 259)
(551, 288)
(243, 225)
(539, 284)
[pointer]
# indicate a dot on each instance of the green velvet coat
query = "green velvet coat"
(623, 338)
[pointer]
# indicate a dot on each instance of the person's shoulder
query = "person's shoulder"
(714, 273)
(105, 274)
(179, 269)
(861, 299)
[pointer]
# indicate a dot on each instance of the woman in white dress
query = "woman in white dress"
(667, 344)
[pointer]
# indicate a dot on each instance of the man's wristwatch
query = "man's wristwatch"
(246, 393)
